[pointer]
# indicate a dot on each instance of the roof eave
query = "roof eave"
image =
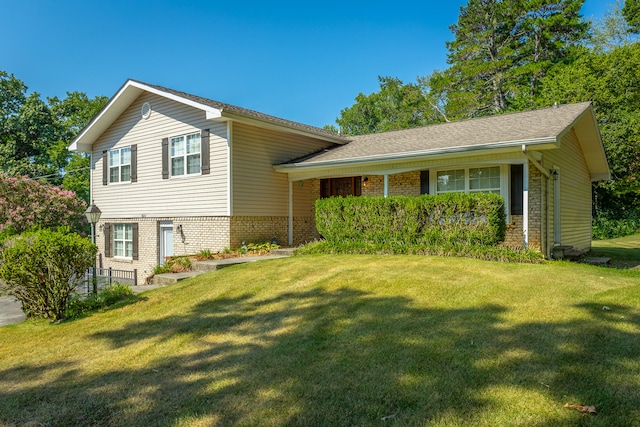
(125, 96)
(238, 117)
(539, 143)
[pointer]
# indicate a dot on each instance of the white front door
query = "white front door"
(166, 241)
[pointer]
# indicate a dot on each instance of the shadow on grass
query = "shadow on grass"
(341, 358)
(620, 257)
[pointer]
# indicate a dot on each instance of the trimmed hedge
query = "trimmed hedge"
(451, 219)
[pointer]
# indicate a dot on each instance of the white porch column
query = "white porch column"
(290, 220)
(386, 185)
(525, 204)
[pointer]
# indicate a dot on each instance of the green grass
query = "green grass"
(623, 251)
(342, 340)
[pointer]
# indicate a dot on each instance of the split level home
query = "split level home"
(175, 173)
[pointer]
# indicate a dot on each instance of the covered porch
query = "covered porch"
(519, 179)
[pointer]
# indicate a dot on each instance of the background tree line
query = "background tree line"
(34, 134)
(514, 55)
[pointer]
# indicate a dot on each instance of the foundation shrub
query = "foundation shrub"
(454, 224)
(429, 220)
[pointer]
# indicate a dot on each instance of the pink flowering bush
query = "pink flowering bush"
(26, 203)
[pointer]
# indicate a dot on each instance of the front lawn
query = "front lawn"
(341, 341)
(623, 251)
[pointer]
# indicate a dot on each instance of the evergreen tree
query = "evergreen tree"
(501, 49)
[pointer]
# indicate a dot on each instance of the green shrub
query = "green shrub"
(607, 226)
(175, 264)
(105, 298)
(41, 269)
(204, 254)
(447, 219)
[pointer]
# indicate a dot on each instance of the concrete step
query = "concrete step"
(200, 267)
(169, 278)
(282, 251)
(599, 261)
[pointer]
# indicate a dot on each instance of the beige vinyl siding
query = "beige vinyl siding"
(258, 190)
(195, 195)
(575, 193)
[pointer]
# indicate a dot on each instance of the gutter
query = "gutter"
(289, 167)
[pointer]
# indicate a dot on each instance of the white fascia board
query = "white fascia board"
(211, 112)
(226, 115)
(541, 144)
(84, 141)
(120, 102)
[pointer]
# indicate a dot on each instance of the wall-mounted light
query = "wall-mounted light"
(300, 184)
(366, 181)
(181, 231)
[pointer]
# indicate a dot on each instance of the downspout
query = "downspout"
(547, 245)
(525, 204)
(386, 185)
(290, 220)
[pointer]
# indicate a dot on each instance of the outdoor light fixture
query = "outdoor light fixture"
(366, 181)
(93, 216)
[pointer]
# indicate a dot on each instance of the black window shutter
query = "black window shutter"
(107, 240)
(134, 229)
(134, 163)
(204, 155)
(165, 158)
(105, 167)
(424, 182)
(517, 188)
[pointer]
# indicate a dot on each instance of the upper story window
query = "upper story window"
(120, 165)
(185, 154)
(469, 180)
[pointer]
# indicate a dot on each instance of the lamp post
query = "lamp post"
(93, 216)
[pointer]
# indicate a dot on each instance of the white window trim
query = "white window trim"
(109, 167)
(504, 180)
(184, 156)
(124, 240)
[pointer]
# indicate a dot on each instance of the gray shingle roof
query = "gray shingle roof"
(500, 130)
(246, 112)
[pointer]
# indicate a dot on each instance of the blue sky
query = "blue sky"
(300, 60)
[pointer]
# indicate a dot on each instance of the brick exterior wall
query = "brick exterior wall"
(515, 234)
(535, 207)
(255, 229)
(402, 184)
(198, 233)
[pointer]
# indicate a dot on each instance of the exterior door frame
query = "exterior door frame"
(165, 241)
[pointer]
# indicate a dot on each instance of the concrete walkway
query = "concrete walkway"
(10, 311)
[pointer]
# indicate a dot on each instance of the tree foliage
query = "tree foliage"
(26, 203)
(41, 269)
(34, 134)
(631, 13)
(395, 106)
(612, 30)
(612, 81)
(501, 49)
